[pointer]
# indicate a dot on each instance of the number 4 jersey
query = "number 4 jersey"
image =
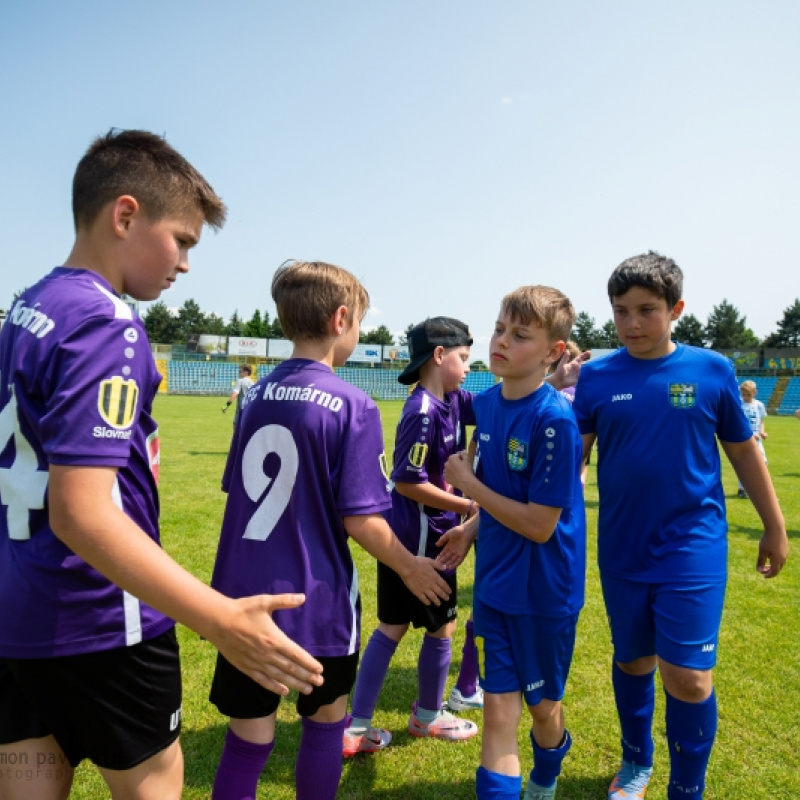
(307, 452)
(77, 381)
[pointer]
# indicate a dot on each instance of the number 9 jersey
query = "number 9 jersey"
(307, 452)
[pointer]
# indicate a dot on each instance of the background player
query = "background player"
(755, 413)
(244, 382)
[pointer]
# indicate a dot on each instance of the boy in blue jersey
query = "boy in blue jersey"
(657, 409)
(304, 475)
(530, 559)
(431, 428)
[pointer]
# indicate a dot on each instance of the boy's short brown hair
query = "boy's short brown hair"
(652, 271)
(145, 166)
(542, 306)
(307, 293)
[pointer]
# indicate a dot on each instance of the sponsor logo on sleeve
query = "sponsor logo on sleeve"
(116, 401)
(417, 454)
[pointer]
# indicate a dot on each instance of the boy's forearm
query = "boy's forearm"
(373, 533)
(430, 495)
(83, 516)
(531, 520)
(749, 466)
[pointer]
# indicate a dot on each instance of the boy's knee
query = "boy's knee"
(688, 685)
(501, 711)
(545, 711)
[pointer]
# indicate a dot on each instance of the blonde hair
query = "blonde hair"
(749, 386)
(543, 306)
(307, 293)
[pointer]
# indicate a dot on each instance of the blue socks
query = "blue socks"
(467, 682)
(547, 762)
(494, 786)
(635, 698)
(432, 667)
(239, 766)
(691, 728)
(371, 673)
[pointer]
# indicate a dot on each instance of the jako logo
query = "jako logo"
(616, 397)
(708, 648)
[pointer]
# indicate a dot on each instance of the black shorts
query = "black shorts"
(239, 696)
(115, 707)
(398, 605)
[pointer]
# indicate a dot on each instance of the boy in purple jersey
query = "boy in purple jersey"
(530, 559)
(305, 472)
(658, 410)
(88, 656)
(431, 428)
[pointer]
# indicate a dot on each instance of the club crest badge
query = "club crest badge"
(682, 395)
(417, 454)
(517, 454)
(116, 401)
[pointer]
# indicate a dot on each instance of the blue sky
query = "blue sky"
(445, 152)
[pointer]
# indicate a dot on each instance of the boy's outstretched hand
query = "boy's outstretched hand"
(254, 644)
(456, 542)
(424, 581)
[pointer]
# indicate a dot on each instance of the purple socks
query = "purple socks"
(239, 767)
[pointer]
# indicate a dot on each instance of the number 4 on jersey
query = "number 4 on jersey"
(23, 484)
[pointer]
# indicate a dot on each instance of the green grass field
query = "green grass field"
(757, 679)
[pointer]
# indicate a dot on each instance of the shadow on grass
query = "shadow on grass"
(746, 530)
(223, 453)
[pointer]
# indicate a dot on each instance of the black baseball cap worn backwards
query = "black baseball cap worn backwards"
(424, 338)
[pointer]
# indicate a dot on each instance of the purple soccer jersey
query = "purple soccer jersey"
(428, 433)
(77, 381)
(307, 451)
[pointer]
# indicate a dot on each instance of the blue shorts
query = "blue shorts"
(678, 622)
(523, 652)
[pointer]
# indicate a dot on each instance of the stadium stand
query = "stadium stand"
(791, 397)
(478, 381)
(217, 378)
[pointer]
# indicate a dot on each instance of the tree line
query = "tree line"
(725, 329)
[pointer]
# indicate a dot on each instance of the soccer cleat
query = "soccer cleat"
(443, 726)
(536, 792)
(742, 494)
(457, 701)
(630, 783)
(374, 740)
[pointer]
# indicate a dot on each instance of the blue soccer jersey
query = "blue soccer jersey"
(428, 433)
(530, 451)
(78, 381)
(307, 451)
(662, 507)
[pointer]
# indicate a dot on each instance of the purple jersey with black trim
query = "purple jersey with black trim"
(428, 433)
(77, 381)
(307, 452)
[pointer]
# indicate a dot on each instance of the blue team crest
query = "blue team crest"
(116, 401)
(517, 454)
(682, 395)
